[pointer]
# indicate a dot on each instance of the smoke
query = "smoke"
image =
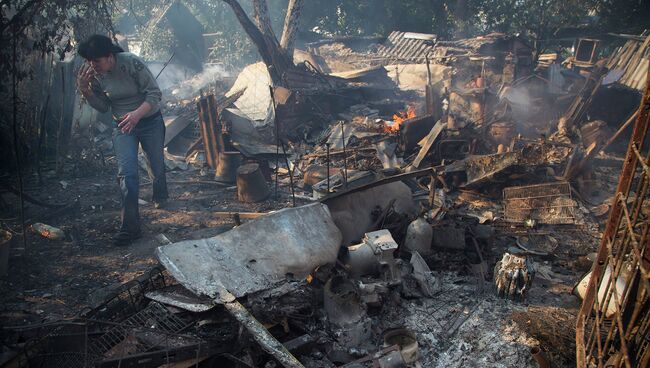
(182, 82)
(519, 100)
(172, 74)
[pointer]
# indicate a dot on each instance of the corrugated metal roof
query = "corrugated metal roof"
(632, 59)
(407, 46)
(414, 47)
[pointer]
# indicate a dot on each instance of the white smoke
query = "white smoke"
(182, 82)
(190, 87)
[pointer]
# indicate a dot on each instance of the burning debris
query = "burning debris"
(410, 201)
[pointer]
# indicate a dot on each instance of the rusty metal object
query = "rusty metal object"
(227, 164)
(210, 129)
(623, 250)
(549, 203)
(540, 357)
(251, 185)
(407, 342)
(317, 173)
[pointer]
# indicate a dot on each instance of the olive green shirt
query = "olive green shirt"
(125, 88)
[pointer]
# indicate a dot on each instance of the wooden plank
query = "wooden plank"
(637, 56)
(643, 71)
(260, 334)
(428, 142)
(638, 74)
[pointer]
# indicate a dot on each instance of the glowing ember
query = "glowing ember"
(399, 118)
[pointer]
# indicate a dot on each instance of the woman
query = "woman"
(111, 79)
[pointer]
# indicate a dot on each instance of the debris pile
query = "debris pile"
(414, 214)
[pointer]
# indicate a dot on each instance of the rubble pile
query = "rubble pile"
(423, 223)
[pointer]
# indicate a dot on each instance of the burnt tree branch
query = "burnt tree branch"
(275, 58)
(291, 22)
(262, 18)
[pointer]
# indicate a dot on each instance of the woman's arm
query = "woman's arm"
(147, 86)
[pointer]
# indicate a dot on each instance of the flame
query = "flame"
(399, 118)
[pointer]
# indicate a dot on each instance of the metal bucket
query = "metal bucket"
(227, 165)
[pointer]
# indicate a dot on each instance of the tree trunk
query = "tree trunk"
(262, 18)
(272, 55)
(291, 21)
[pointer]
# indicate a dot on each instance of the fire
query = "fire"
(399, 118)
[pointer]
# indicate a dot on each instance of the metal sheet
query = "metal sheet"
(244, 136)
(257, 255)
(256, 101)
(174, 125)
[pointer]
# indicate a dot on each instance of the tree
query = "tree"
(37, 28)
(277, 58)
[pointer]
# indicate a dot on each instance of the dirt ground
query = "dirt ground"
(55, 279)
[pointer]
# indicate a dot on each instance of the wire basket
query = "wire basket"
(549, 203)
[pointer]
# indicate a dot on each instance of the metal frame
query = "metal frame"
(620, 274)
(549, 203)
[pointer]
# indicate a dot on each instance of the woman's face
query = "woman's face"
(103, 65)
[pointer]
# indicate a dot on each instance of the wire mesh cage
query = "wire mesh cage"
(152, 337)
(549, 203)
(124, 330)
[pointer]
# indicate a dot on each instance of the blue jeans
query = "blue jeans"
(150, 133)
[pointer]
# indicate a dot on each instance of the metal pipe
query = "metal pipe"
(165, 65)
(345, 157)
(286, 160)
(327, 145)
(540, 357)
(277, 141)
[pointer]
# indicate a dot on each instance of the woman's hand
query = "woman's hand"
(129, 121)
(84, 77)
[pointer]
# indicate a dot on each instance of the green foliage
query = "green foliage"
(535, 19)
(232, 46)
(376, 17)
(625, 16)
(34, 28)
(454, 18)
